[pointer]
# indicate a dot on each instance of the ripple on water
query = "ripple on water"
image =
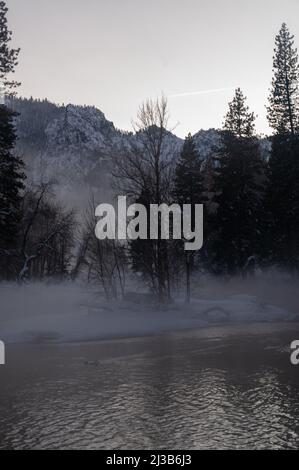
(152, 402)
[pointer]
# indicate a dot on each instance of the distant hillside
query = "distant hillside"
(73, 145)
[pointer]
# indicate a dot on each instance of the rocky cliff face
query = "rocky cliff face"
(74, 145)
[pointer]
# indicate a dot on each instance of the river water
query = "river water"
(220, 387)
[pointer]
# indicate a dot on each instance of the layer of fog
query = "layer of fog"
(74, 312)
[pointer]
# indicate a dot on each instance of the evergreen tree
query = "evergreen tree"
(188, 176)
(281, 231)
(11, 174)
(283, 111)
(11, 185)
(8, 56)
(239, 120)
(238, 193)
(188, 189)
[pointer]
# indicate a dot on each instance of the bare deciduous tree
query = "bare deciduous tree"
(47, 237)
(145, 170)
(106, 260)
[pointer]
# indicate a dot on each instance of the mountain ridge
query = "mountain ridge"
(72, 144)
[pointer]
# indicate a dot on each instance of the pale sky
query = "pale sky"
(115, 53)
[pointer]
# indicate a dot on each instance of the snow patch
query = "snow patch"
(68, 312)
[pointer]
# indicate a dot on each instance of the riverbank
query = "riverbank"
(69, 312)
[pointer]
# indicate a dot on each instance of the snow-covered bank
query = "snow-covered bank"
(68, 312)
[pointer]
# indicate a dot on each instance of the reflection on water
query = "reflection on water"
(171, 392)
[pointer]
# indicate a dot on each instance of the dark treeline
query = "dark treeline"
(251, 203)
(257, 218)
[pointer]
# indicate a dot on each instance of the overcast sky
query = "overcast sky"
(115, 53)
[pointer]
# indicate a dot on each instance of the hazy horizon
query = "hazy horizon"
(195, 52)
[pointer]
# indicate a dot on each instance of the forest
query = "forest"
(250, 197)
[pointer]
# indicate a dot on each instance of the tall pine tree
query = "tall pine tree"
(238, 192)
(281, 232)
(281, 228)
(11, 167)
(8, 55)
(283, 110)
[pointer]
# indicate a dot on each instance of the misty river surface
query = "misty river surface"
(220, 387)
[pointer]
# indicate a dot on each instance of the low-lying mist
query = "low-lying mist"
(71, 311)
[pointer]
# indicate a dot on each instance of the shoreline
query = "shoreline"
(70, 313)
(204, 332)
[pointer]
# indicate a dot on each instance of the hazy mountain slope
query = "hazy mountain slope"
(74, 145)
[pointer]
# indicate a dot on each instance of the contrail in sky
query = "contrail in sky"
(201, 92)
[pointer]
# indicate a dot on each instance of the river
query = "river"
(224, 387)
